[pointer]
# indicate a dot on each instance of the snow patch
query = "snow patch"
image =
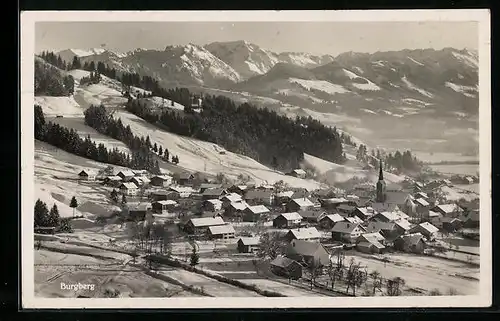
(59, 106)
(321, 85)
(368, 111)
(413, 87)
(461, 89)
(417, 62)
(470, 61)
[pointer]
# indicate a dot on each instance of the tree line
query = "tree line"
(50, 81)
(397, 161)
(45, 218)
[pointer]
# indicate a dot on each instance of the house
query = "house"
(235, 209)
(422, 195)
(265, 187)
(311, 216)
(128, 188)
(140, 180)
(256, 197)
(213, 193)
(471, 218)
(328, 221)
(161, 180)
(450, 224)
(182, 191)
(163, 195)
(284, 197)
(227, 199)
(363, 213)
(299, 173)
(126, 175)
(221, 231)
(390, 230)
(138, 212)
(286, 267)
(412, 243)
(353, 219)
(248, 244)
(450, 210)
(254, 213)
(201, 225)
(305, 234)
(388, 216)
(185, 178)
(205, 186)
(345, 209)
(372, 246)
(162, 207)
(422, 207)
(238, 189)
(346, 232)
(113, 181)
(140, 172)
(428, 230)
(287, 220)
(299, 204)
(87, 175)
(212, 205)
(310, 253)
(332, 203)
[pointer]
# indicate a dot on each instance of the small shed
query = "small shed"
(248, 244)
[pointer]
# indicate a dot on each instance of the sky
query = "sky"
(313, 37)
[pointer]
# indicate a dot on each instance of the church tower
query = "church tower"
(380, 186)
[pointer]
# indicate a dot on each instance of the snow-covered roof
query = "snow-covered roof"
(429, 227)
(372, 243)
(291, 216)
(311, 214)
(354, 219)
(239, 205)
(345, 227)
(404, 224)
(126, 173)
(258, 209)
(333, 217)
(421, 202)
(412, 239)
(213, 192)
(285, 194)
(249, 240)
(282, 261)
(162, 177)
(303, 202)
(367, 211)
(114, 178)
(304, 248)
(305, 233)
(299, 171)
(89, 172)
(232, 197)
(221, 229)
(336, 200)
(128, 185)
(167, 202)
(447, 208)
(207, 221)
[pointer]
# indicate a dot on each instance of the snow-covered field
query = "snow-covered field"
(201, 156)
(288, 290)
(320, 85)
(158, 102)
(465, 90)
(59, 106)
(78, 124)
(461, 169)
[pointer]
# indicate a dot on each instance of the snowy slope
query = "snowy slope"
(54, 106)
(321, 85)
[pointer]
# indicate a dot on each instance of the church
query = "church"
(390, 198)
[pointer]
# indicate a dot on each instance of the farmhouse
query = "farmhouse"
(138, 212)
(450, 224)
(311, 216)
(284, 197)
(328, 221)
(363, 213)
(370, 247)
(390, 230)
(254, 213)
(353, 219)
(412, 243)
(471, 219)
(161, 180)
(185, 178)
(128, 188)
(256, 197)
(181, 191)
(345, 209)
(299, 173)
(239, 189)
(310, 253)
(140, 180)
(201, 225)
(248, 244)
(113, 181)
(388, 216)
(162, 207)
(450, 210)
(305, 234)
(227, 199)
(286, 267)
(163, 195)
(287, 220)
(126, 175)
(221, 231)
(299, 204)
(428, 230)
(346, 231)
(235, 209)
(212, 205)
(213, 193)
(205, 186)
(87, 175)
(422, 207)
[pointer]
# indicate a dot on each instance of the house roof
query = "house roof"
(88, 172)
(374, 227)
(305, 233)
(258, 194)
(346, 208)
(311, 214)
(207, 221)
(139, 171)
(162, 177)
(221, 229)
(404, 224)
(282, 261)
(302, 202)
(369, 244)
(345, 227)
(434, 214)
(213, 192)
(333, 217)
(239, 205)
(428, 227)
(232, 197)
(305, 248)
(166, 202)
(421, 202)
(447, 208)
(285, 194)
(181, 189)
(291, 216)
(335, 200)
(185, 175)
(249, 240)
(258, 209)
(114, 178)
(412, 239)
(215, 202)
(140, 207)
(373, 236)
(128, 185)
(126, 173)
(209, 185)
(367, 211)
(299, 171)
(422, 195)
(141, 179)
(450, 220)
(353, 219)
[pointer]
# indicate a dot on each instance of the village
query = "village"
(330, 242)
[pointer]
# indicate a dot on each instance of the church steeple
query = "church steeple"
(380, 174)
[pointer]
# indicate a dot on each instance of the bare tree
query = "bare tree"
(394, 286)
(271, 245)
(335, 272)
(376, 282)
(355, 277)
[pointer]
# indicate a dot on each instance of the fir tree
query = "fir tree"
(148, 142)
(194, 258)
(54, 218)
(124, 199)
(114, 195)
(167, 155)
(155, 148)
(73, 204)
(41, 214)
(160, 151)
